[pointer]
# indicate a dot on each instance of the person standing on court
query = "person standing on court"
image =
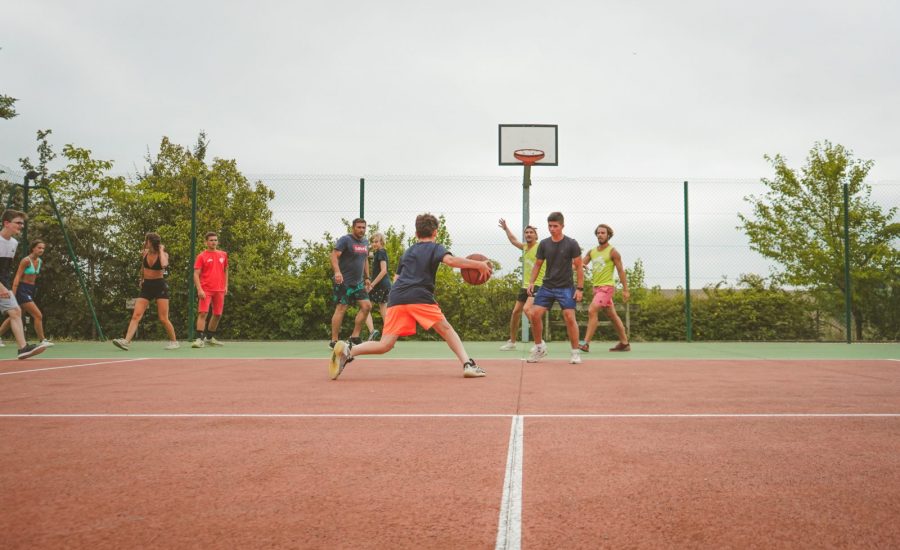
(560, 253)
(211, 281)
(350, 263)
(380, 286)
(412, 302)
(13, 222)
(603, 258)
(154, 262)
(524, 300)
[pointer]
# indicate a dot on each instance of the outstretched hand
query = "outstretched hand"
(503, 224)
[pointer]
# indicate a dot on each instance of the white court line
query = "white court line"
(448, 415)
(74, 366)
(509, 530)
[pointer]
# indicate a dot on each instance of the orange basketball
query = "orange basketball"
(473, 276)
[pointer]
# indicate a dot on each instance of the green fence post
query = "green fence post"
(848, 300)
(192, 292)
(687, 270)
(526, 221)
(362, 197)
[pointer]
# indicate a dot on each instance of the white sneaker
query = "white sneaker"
(508, 346)
(47, 343)
(121, 343)
(575, 358)
(471, 370)
(2, 344)
(213, 342)
(538, 353)
(198, 343)
(173, 345)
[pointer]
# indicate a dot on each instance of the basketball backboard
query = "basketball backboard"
(542, 137)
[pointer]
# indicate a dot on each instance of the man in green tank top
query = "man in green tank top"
(603, 258)
(523, 301)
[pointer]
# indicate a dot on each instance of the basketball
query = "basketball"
(472, 276)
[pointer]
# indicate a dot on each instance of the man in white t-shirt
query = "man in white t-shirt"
(13, 222)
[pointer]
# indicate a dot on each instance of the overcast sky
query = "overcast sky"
(638, 88)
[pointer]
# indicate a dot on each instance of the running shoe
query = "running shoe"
(538, 353)
(508, 346)
(575, 358)
(332, 343)
(121, 343)
(173, 345)
(30, 350)
(339, 359)
(621, 347)
(471, 370)
(585, 347)
(213, 342)
(198, 343)
(376, 334)
(355, 340)
(47, 343)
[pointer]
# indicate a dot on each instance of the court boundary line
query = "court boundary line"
(448, 415)
(509, 529)
(75, 366)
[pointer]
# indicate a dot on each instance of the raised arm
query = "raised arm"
(509, 235)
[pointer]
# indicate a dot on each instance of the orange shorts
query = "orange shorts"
(401, 319)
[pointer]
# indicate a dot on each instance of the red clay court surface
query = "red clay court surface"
(263, 453)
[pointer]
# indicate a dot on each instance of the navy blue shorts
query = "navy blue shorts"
(25, 293)
(546, 296)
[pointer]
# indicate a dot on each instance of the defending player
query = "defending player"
(412, 301)
(560, 253)
(350, 263)
(13, 222)
(603, 257)
(524, 301)
(211, 281)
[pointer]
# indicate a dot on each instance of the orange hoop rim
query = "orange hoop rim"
(528, 156)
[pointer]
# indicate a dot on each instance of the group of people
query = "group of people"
(548, 271)
(210, 279)
(17, 292)
(553, 271)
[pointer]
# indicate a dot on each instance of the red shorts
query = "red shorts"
(603, 296)
(401, 319)
(218, 302)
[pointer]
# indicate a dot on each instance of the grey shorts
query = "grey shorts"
(7, 304)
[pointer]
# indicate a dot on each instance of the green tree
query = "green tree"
(7, 106)
(798, 222)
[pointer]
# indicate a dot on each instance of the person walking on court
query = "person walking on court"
(13, 222)
(380, 286)
(412, 301)
(24, 289)
(350, 263)
(211, 281)
(154, 261)
(603, 258)
(560, 253)
(524, 300)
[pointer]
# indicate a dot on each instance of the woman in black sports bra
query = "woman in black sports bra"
(154, 261)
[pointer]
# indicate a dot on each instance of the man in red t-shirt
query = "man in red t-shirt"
(211, 280)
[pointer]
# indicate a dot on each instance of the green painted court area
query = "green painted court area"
(483, 350)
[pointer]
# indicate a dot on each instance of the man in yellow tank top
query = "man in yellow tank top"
(523, 300)
(602, 259)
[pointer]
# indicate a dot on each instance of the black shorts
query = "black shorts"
(154, 289)
(349, 295)
(379, 294)
(523, 294)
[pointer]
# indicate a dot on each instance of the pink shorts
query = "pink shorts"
(218, 302)
(603, 296)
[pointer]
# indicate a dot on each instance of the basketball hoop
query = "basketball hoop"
(528, 156)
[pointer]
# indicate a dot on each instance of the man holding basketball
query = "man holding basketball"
(560, 253)
(211, 281)
(524, 300)
(411, 301)
(603, 258)
(350, 263)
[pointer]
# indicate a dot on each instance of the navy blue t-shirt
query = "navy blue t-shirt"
(558, 257)
(353, 258)
(380, 256)
(415, 274)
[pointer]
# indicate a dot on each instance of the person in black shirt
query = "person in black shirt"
(561, 253)
(412, 302)
(380, 286)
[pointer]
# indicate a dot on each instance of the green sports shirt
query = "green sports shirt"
(602, 267)
(529, 256)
